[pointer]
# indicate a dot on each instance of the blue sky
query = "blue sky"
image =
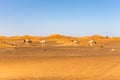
(66, 17)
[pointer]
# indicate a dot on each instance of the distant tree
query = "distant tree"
(107, 36)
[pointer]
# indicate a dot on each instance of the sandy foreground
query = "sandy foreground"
(67, 68)
(60, 62)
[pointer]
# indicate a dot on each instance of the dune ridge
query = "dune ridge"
(56, 39)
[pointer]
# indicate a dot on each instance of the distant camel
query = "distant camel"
(23, 41)
(91, 42)
(43, 43)
(75, 42)
(27, 41)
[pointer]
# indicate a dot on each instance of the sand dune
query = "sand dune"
(65, 67)
(59, 40)
(59, 60)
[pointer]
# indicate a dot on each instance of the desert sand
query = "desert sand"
(59, 60)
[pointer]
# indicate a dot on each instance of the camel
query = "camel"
(43, 43)
(75, 42)
(91, 42)
(27, 41)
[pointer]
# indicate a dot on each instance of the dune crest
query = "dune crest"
(56, 39)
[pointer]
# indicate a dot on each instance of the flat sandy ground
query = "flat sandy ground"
(61, 63)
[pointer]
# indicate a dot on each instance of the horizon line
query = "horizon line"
(56, 35)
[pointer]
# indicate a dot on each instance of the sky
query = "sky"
(66, 17)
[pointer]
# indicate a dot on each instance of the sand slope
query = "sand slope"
(65, 67)
(59, 60)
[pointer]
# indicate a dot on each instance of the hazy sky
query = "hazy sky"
(66, 17)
